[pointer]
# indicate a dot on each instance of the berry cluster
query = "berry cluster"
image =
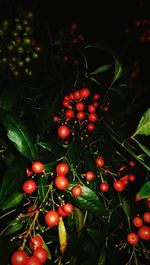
(143, 229)
(17, 47)
(39, 253)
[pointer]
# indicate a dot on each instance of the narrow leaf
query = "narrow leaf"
(63, 241)
(143, 127)
(101, 69)
(144, 148)
(45, 247)
(18, 134)
(13, 200)
(42, 188)
(144, 192)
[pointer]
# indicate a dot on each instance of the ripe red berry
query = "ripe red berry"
(80, 115)
(91, 108)
(41, 254)
(84, 92)
(61, 212)
(137, 221)
(90, 127)
(62, 169)
(71, 96)
(100, 161)
(131, 177)
(96, 96)
(76, 191)
(125, 180)
(131, 163)
(132, 238)
(146, 217)
(68, 208)
(66, 103)
(31, 208)
(37, 167)
(33, 261)
(63, 131)
(69, 113)
(29, 186)
(118, 185)
(92, 117)
(56, 119)
(52, 218)
(96, 104)
(104, 187)
(19, 257)
(61, 182)
(35, 242)
(144, 232)
(80, 106)
(89, 175)
(77, 95)
(28, 172)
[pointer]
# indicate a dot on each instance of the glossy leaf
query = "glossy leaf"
(143, 127)
(18, 134)
(13, 200)
(144, 192)
(63, 241)
(88, 200)
(101, 69)
(144, 148)
(118, 69)
(13, 227)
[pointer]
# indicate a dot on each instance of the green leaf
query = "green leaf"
(143, 127)
(12, 179)
(102, 257)
(13, 200)
(88, 200)
(18, 134)
(126, 207)
(144, 148)
(14, 227)
(45, 247)
(101, 69)
(78, 219)
(118, 70)
(144, 192)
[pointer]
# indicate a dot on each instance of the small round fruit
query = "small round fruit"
(52, 218)
(100, 161)
(96, 96)
(62, 169)
(91, 108)
(137, 221)
(80, 115)
(104, 187)
(61, 182)
(84, 92)
(63, 131)
(93, 117)
(132, 238)
(66, 103)
(29, 186)
(131, 177)
(68, 208)
(33, 261)
(37, 167)
(61, 212)
(76, 191)
(56, 119)
(90, 127)
(146, 217)
(144, 232)
(41, 254)
(89, 175)
(69, 113)
(19, 257)
(131, 163)
(77, 95)
(118, 185)
(80, 106)
(35, 242)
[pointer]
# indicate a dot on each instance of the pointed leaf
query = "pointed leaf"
(18, 134)
(102, 257)
(144, 192)
(63, 241)
(13, 200)
(101, 69)
(118, 69)
(144, 148)
(143, 127)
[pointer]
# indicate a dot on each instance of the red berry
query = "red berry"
(137, 221)
(52, 218)
(41, 254)
(61, 182)
(84, 92)
(35, 242)
(37, 167)
(100, 161)
(56, 119)
(93, 117)
(33, 261)
(61, 212)
(125, 180)
(28, 172)
(104, 187)
(63, 131)
(146, 217)
(71, 96)
(91, 108)
(66, 103)
(80, 115)
(96, 104)
(131, 177)
(29, 186)
(69, 113)
(31, 208)
(68, 208)
(132, 238)
(132, 163)
(89, 175)
(62, 169)
(144, 232)
(76, 191)
(19, 257)
(90, 127)
(77, 95)
(96, 96)
(66, 98)
(118, 185)
(80, 106)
